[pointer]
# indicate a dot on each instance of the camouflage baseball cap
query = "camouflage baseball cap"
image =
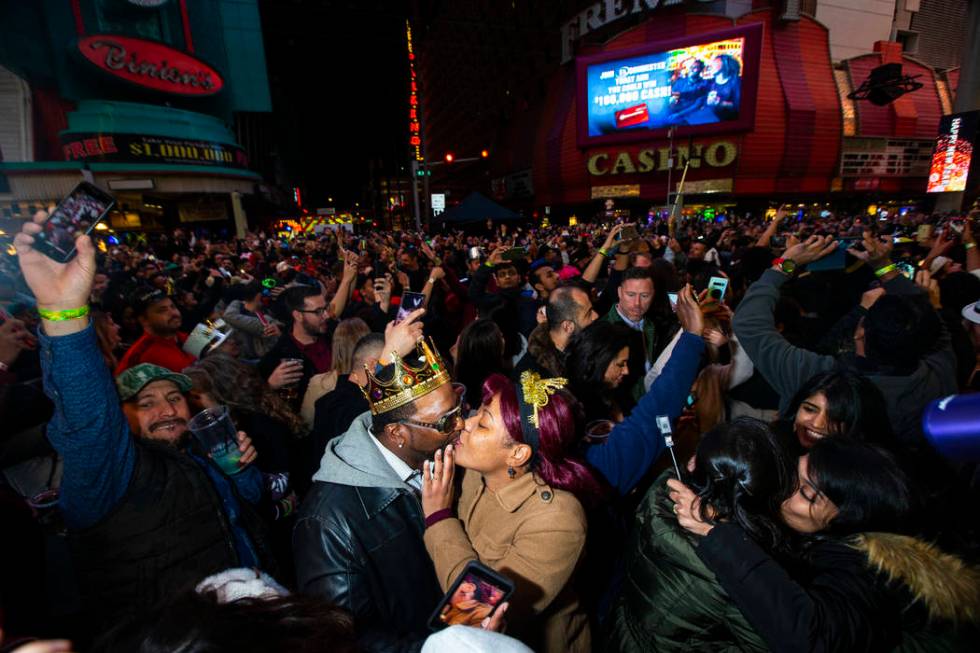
(135, 379)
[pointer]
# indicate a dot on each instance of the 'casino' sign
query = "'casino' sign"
(150, 64)
(139, 148)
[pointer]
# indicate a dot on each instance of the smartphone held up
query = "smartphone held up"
(76, 215)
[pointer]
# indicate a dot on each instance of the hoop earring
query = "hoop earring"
(511, 472)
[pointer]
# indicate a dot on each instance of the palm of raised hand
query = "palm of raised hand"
(55, 285)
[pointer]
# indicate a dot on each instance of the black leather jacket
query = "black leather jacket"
(362, 549)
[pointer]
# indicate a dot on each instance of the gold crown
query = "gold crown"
(408, 382)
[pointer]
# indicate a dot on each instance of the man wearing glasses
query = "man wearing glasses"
(358, 537)
(308, 338)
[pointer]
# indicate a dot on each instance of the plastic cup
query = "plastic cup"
(597, 432)
(213, 428)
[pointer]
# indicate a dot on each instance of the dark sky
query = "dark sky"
(339, 80)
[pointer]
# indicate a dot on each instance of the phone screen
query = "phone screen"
(629, 233)
(717, 287)
(409, 302)
(672, 296)
(75, 215)
(907, 270)
(473, 597)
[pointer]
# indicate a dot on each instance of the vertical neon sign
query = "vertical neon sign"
(414, 126)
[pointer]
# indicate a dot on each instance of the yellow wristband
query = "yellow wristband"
(969, 245)
(63, 316)
(880, 272)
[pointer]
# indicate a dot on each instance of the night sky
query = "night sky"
(339, 80)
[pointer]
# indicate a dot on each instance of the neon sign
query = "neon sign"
(150, 64)
(414, 126)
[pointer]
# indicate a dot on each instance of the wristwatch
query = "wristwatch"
(788, 266)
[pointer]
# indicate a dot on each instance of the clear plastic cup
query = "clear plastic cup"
(216, 432)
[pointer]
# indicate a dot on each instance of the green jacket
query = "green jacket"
(639, 358)
(669, 600)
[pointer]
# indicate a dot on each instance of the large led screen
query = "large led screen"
(951, 159)
(697, 84)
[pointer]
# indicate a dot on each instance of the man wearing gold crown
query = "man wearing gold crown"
(358, 539)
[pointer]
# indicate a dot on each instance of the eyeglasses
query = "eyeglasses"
(446, 424)
(319, 312)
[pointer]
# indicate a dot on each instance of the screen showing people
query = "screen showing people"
(694, 85)
(76, 214)
(472, 598)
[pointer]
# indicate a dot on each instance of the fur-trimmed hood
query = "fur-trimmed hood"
(944, 584)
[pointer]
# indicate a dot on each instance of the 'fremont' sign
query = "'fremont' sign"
(150, 64)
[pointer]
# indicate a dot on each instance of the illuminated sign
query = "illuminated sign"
(600, 14)
(150, 64)
(693, 85)
(719, 154)
(139, 148)
(954, 153)
(414, 125)
(297, 196)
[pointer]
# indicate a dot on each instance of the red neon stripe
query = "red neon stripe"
(76, 9)
(188, 41)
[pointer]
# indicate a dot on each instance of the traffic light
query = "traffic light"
(449, 157)
(484, 154)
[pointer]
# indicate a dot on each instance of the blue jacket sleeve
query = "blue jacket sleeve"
(88, 428)
(635, 444)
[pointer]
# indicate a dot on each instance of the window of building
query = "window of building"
(909, 41)
(156, 23)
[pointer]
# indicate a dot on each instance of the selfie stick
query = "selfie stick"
(663, 423)
(672, 221)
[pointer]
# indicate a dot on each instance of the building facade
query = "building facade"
(151, 99)
(515, 82)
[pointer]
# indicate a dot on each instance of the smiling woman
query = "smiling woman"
(835, 404)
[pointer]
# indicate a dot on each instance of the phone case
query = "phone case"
(471, 608)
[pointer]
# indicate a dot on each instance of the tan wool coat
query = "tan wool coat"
(533, 535)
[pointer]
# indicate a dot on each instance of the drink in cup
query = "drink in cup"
(218, 436)
(290, 393)
(597, 432)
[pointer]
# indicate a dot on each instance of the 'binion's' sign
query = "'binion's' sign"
(150, 64)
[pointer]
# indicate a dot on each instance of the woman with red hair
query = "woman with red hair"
(520, 509)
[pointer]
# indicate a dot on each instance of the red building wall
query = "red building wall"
(793, 147)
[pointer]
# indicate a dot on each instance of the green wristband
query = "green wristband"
(880, 272)
(63, 316)
(604, 252)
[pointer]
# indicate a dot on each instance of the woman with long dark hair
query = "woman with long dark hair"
(520, 510)
(597, 363)
(480, 354)
(669, 600)
(857, 584)
(840, 404)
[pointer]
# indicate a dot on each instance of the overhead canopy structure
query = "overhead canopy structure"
(476, 208)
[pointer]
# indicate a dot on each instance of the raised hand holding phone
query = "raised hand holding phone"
(57, 286)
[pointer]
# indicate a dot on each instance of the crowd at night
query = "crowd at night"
(554, 327)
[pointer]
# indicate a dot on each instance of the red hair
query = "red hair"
(558, 437)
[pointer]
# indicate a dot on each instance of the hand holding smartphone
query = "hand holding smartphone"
(76, 215)
(410, 301)
(473, 597)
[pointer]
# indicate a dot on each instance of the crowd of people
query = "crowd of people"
(701, 435)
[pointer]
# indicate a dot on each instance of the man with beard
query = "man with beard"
(147, 512)
(309, 336)
(568, 311)
(358, 539)
(162, 339)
